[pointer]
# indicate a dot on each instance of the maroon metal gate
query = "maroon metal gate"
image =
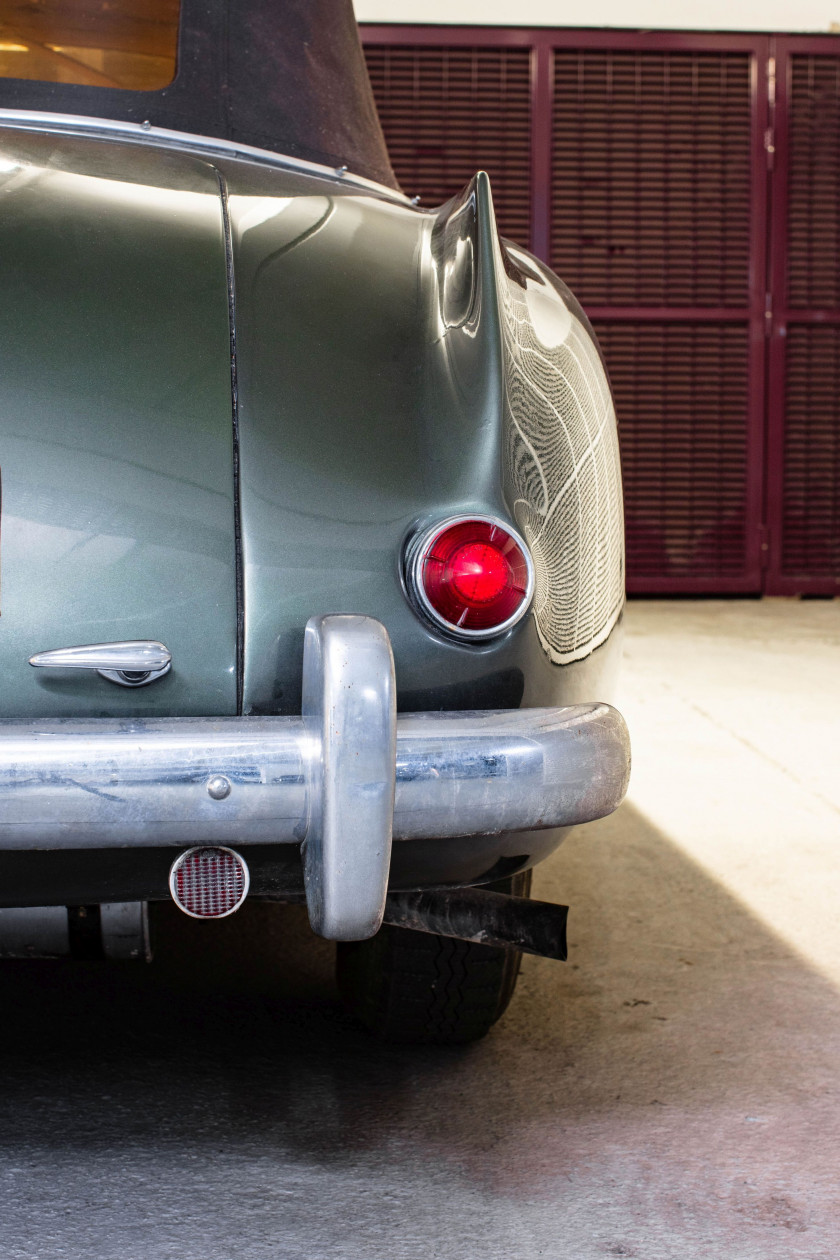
(653, 170)
(803, 309)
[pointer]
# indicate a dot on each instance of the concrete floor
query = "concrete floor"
(671, 1092)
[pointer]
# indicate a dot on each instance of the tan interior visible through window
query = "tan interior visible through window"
(98, 43)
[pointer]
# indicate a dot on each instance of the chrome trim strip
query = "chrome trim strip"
(145, 133)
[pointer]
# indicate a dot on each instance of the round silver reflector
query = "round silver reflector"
(209, 883)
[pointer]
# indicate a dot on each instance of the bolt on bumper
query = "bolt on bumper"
(344, 780)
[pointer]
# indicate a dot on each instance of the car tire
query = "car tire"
(416, 987)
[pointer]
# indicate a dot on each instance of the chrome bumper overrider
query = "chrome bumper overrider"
(344, 779)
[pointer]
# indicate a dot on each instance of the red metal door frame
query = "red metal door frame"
(765, 319)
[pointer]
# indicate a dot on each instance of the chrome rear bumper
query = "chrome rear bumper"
(343, 780)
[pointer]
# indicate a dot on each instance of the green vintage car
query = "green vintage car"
(312, 559)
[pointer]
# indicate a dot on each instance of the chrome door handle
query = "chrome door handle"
(131, 664)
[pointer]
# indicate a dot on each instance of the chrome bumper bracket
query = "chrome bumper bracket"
(350, 720)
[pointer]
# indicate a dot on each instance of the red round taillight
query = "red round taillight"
(471, 575)
(209, 883)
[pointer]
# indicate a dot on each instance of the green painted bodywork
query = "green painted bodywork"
(155, 486)
(354, 416)
(349, 431)
(115, 424)
(362, 414)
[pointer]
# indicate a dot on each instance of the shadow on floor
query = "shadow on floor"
(675, 1081)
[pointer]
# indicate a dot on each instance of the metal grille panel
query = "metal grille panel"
(209, 883)
(811, 487)
(681, 399)
(651, 176)
(646, 184)
(814, 182)
(563, 472)
(448, 112)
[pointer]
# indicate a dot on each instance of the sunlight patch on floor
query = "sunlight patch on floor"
(732, 709)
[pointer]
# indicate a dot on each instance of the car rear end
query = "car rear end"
(311, 446)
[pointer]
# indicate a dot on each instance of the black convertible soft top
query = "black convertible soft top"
(286, 75)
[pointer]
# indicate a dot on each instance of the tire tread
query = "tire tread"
(415, 987)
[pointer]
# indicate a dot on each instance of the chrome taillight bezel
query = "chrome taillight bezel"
(415, 551)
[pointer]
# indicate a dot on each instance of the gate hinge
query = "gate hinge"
(764, 546)
(770, 147)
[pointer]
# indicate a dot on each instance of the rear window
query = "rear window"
(95, 43)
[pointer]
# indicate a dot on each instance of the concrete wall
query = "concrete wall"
(712, 15)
